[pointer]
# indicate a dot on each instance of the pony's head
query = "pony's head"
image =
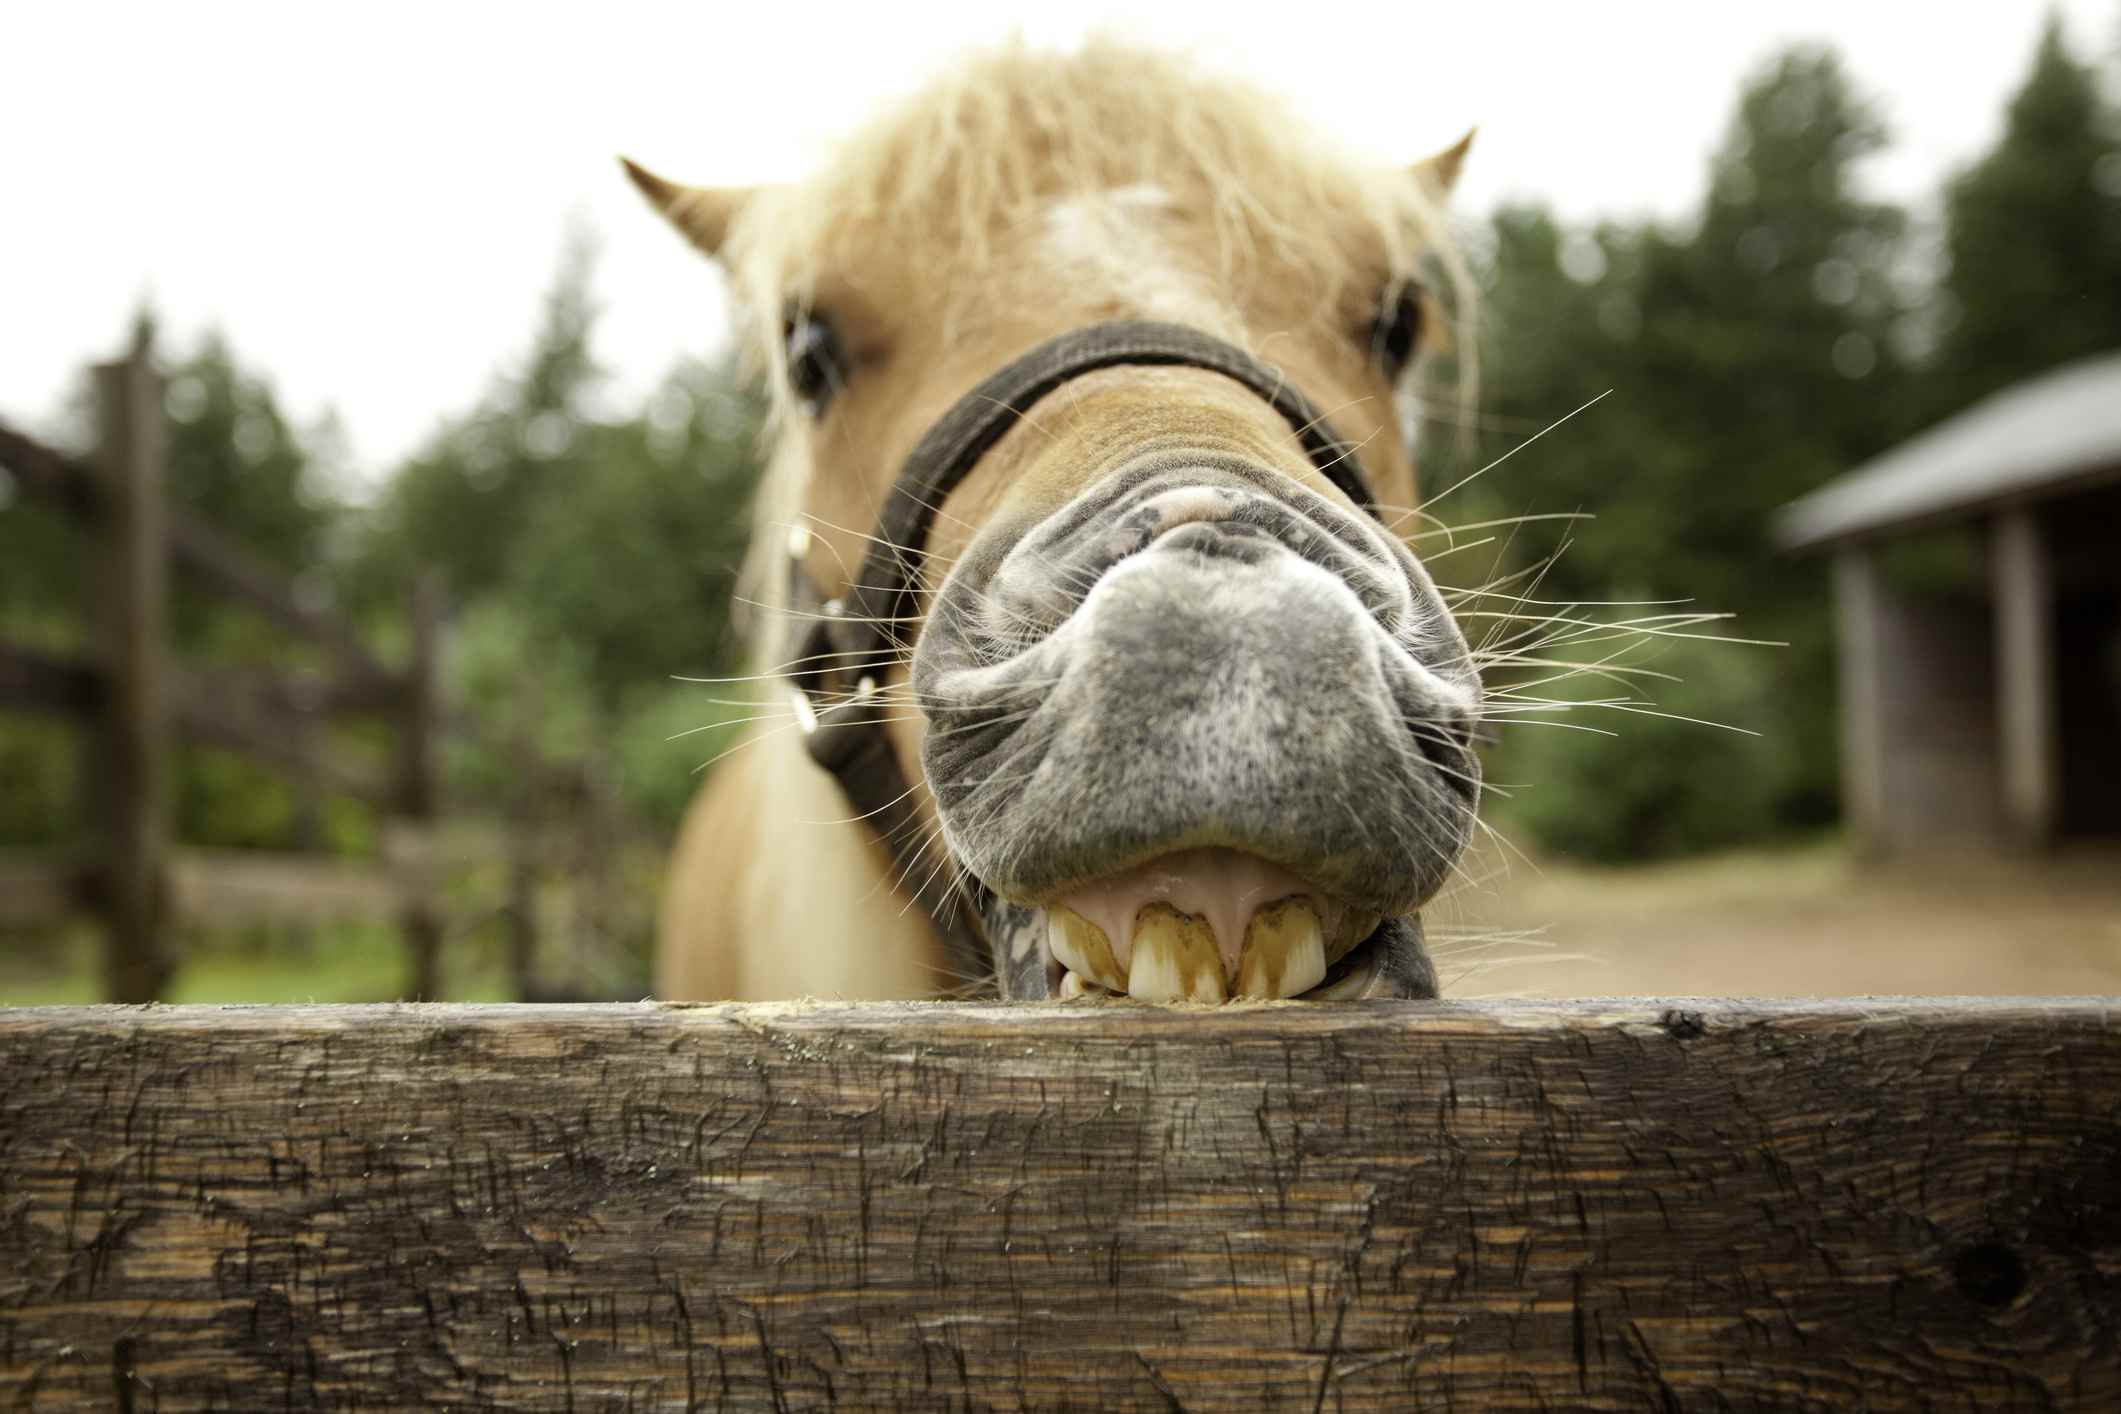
(1195, 721)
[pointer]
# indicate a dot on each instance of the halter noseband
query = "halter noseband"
(854, 640)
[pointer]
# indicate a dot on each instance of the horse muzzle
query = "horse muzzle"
(1202, 732)
(1195, 730)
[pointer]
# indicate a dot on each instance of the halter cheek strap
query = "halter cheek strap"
(854, 641)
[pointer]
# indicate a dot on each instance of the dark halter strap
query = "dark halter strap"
(855, 640)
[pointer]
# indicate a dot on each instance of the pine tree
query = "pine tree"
(461, 504)
(1751, 359)
(591, 560)
(2033, 236)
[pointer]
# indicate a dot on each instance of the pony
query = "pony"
(1176, 712)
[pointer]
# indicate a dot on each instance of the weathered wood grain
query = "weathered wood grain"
(1504, 1205)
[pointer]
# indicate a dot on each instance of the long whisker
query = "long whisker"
(1512, 452)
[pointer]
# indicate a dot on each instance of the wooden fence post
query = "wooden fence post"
(522, 911)
(526, 838)
(131, 571)
(419, 783)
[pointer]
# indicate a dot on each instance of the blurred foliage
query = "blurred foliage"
(614, 541)
(40, 774)
(237, 464)
(1776, 340)
(2033, 236)
(591, 562)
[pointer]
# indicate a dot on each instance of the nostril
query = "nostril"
(1463, 726)
(1192, 505)
(1218, 539)
(1445, 739)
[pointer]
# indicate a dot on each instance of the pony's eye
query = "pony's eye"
(1396, 332)
(817, 367)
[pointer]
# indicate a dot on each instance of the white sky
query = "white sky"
(370, 199)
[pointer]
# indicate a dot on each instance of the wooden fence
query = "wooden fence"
(135, 700)
(1613, 1205)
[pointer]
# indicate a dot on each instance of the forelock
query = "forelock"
(994, 141)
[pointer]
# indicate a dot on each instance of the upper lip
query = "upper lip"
(1265, 506)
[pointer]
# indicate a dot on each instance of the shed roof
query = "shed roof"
(2032, 439)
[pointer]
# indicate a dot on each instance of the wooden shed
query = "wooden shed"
(1982, 706)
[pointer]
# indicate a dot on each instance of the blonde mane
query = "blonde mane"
(992, 143)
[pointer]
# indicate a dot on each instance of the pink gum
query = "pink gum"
(1221, 885)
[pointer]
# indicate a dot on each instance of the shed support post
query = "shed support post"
(132, 769)
(2022, 576)
(1862, 697)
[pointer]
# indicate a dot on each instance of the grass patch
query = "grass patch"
(341, 963)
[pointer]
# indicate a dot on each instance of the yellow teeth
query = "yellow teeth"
(1074, 986)
(1175, 957)
(1082, 947)
(1288, 946)
(1285, 951)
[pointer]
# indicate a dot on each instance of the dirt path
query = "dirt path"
(1807, 922)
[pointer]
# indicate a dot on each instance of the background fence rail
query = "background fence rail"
(136, 702)
(1615, 1205)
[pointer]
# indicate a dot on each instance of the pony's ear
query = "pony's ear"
(702, 214)
(1439, 174)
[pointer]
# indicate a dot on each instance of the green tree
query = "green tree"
(237, 464)
(2033, 236)
(1749, 359)
(461, 503)
(637, 562)
(596, 556)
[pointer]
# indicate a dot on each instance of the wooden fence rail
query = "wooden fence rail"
(217, 561)
(136, 701)
(1614, 1205)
